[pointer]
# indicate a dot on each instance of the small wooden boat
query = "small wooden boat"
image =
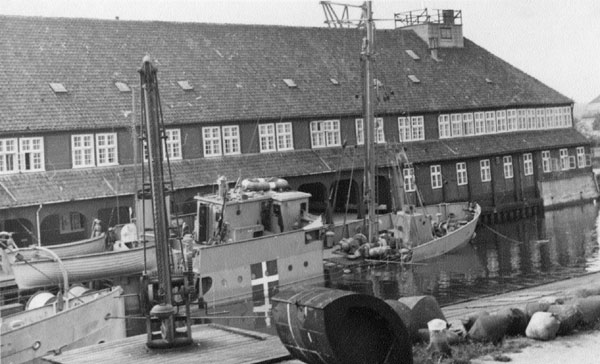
(44, 271)
(463, 231)
(94, 244)
(28, 335)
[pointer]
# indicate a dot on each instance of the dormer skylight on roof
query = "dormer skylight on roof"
(412, 54)
(334, 81)
(123, 87)
(290, 83)
(414, 79)
(58, 88)
(185, 85)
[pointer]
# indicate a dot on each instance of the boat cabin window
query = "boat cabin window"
(311, 236)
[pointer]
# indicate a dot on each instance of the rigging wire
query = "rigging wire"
(143, 137)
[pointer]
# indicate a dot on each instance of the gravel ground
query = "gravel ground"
(581, 348)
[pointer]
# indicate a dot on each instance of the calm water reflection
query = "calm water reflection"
(560, 244)
(504, 256)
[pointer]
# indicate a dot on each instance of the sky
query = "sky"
(555, 41)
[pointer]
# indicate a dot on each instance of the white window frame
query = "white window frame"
(456, 125)
(527, 164)
(569, 116)
(436, 176)
(31, 154)
(444, 126)
(485, 170)
(581, 157)
(325, 133)
(106, 149)
(531, 119)
(9, 155)
(418, 127)
(540, 118)
(231, 139)
(82, 150)
(479, 123)
(521, 119)
(266, 136)
(379, 131)
(508, 167)
(546, 161)
(173, 144)
(468, 127)
(275, 137)
(511, 120)
(211, 139)
(285, 136)
(564, 159)
(501, 126)
(552, 117)
(404, 129)
(490, 122)
(409, 179)
(360, 131)
(462, 178)
(562, 118)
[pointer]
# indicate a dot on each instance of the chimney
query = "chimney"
(433, 47)
(439, 28)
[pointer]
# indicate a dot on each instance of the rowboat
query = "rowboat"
(44, 271)
(28, 335)
(463, 230)
(95, 244)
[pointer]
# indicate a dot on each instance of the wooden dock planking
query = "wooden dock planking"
(212, 344)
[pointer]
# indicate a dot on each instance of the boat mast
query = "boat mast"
(164, 311)
(366, 54)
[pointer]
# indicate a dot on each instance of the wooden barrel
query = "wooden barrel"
(321, 325)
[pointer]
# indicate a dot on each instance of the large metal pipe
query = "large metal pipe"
(321, 325)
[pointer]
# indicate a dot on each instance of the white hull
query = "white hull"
(229, 266)
(451, 241)
(87, 246)
(434, 248)
(29, 335)
(81, 268)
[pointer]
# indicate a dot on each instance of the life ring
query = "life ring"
(278, 184)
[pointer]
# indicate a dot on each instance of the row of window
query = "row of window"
(501, 121)
(565, 162)
(23, 154)
(89, 150)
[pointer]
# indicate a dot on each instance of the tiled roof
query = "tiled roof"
(28, 189)
(237, 73)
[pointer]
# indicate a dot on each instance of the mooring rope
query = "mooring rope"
(501, 235)
(191, 317)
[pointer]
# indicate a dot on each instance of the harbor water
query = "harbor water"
(554, 245)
